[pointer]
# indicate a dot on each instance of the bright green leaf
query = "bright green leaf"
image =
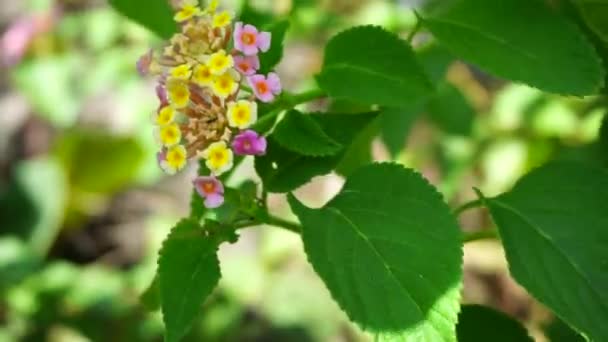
(553, 227)
(155, 15)
(549, 53)
(282, 170)
(479, 323)
(372, 66)
(188, 270)
(451, 111)
(270, 59)
(302, 134)
(389, 251)
(99, 162)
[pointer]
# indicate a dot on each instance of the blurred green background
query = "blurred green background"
(84, 207)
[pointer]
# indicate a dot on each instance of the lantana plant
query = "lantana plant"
(208, 85)
(387, 246)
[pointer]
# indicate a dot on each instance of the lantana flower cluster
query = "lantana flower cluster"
(208, 84)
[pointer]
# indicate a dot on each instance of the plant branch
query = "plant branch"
(281, 223)
(415, 29)
(469, 205)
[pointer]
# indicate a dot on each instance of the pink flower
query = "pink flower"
(249, 143)
(247, 65)
(211, 189)
(144, 62)
(249, 41)
(265, 88)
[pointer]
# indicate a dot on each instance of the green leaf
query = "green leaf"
(479, 323)
(553, 227)
(436, 60)
(270, 59)
(558, 331)
(302, 134)
(396, 124)
(150, 298)
(604, 136)
(33, 205)
(595, 14)
(84, 156)
(359, 153)
(549, 53)
(282, 170)
(389, 251)
(451, 111)
(155, 15)
(372, 66)
(188, 270)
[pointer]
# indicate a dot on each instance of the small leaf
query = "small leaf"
(150, 298)
(480, 323)
(389, 251)
(302, 134)
(553, 227)
(188, 270)
(549, 53)
(451, 111)
(282, 170)
(436, 60)
(270, 59)
(359, 153)
(372, 66)
(396, 124)
(155, 15)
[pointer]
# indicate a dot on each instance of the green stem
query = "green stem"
(469, 205)
(479, 235)
(417, 27)
(287, 102)
(281, 223)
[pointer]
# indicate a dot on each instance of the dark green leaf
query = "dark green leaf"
(302, 134)
(188, 270)
(282, 170)
(155, 15)
(270, 59)
(549, 52)
(553, 227)
(451, 111)
(389, 251)
(436, 60)
(253, 16)
(478, 323)
(595, 14)
(372, 66)
(359, 152)
(396, 124)
(558, 331)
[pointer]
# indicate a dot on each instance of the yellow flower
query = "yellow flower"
(179, 93)
(219, 157)
(181, 72)
(202, 76)
(225, 85)
(212, 7)
(222, 19)
(165, 116)
(187, 12)
(242, 114)
(170, 135)
(220, 62)
(175, 159)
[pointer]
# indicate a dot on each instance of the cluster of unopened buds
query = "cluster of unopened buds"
(208, 84)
